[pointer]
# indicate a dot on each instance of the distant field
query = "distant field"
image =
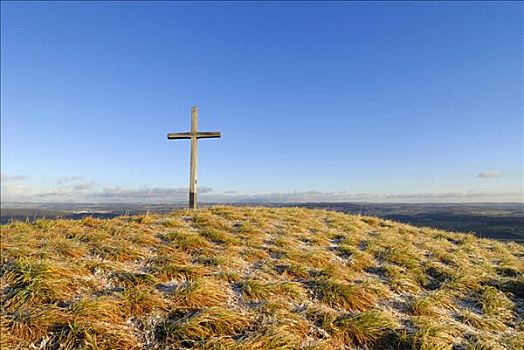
(499, 221)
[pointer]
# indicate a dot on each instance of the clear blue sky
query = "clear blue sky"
(372, 101)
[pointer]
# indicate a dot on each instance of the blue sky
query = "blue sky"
(383, 101)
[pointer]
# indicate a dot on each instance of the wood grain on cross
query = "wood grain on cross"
(194, 135)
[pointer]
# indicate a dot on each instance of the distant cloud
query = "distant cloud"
(146, 193)
(118, 194)
(85, 186)
(68, 179)
(55, 194)
(70, 187)
(6, 177)
(489, 174)
(79, 189)
(342, 196)
(89, 191)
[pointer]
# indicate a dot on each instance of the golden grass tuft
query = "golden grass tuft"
(496, 303)
(486, 323)
(323, 317)
(142, 300)
(34, 282)
(190, 327)
(357, 297)
(254, 289)
(433, 304)
(200, 292)
(433, 333)
(366, 328)
(187, 241)
(272, 338)
(103, 308)
(293, 270)
(93, 335)
(31, 323)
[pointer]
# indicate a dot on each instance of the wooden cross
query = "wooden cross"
(194, 135)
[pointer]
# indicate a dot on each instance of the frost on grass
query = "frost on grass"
(256, 278)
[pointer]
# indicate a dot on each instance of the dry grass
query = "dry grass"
(264, 291)
(344, 295)
(256, 278)
(199, 293)
(192, 327)
(433, 304)
(366, 328)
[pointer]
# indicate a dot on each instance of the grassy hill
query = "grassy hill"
(256, 278)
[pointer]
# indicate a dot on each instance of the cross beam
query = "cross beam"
(188, 135)
(194, 135)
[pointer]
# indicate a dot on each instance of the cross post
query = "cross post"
(194, 135)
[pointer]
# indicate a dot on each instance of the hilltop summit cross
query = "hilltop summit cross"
(194, 135)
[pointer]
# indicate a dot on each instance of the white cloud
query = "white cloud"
(84, 186)
(146, 193)
(78, 189)
(89, 192)
(6, 177)
(315, 196)
(489, 174)
(68, 179)
(19, 193)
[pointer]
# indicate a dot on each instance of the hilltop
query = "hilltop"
(504, 221)
(256, 278)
